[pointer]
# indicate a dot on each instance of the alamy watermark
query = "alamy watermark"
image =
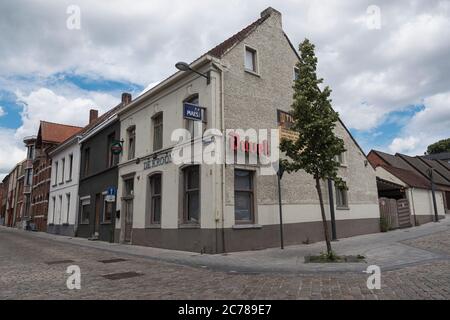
(374, 280)
(74, 279)
(73, 21)
(373, 17)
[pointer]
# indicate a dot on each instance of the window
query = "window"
(243, 196)
(60, 209)
(158, 131)
(341, 158)
(129, 188)
(29, 177)
(67, 207)
(30, 154)
(191, 181)
(56, 173)
(296, 73)
(155, 199)
(85, 211)
(54, 209)
(194, 127)
(341, 198)
(107, 211)
(87, 152)
(112, 158)
(131, 142)
(250, 59)
(70, 166)
(63, 165)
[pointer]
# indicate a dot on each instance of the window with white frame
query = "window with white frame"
(56, 173)
(70, 166)
(243, 196)
(157, 131)
(251, 61)
(155, 198)
(67, 207)
(191, 208)
(131, 132)
(63, 166)
(296, 73)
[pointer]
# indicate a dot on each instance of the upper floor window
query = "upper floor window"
(243, 196)
(296, 73)
(341, 159)
(157, 131)
(63, 166)
(56, 173)
(112, 158)
(70, 166)
(131, 132)
(87, 153)
(30, 153)
(250, 59)
(194, 127)
(191, 207)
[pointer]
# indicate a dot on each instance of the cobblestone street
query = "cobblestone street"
(33, 267)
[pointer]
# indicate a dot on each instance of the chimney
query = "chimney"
(272, 13)
(126, 98)
(93, 115)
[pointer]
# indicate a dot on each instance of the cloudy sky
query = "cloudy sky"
(390, 84)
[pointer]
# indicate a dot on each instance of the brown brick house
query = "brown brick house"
(49, 136)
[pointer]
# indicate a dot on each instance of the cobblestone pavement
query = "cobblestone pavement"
(31, 268)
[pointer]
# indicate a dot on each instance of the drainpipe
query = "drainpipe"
(411, 191)
(436, 217)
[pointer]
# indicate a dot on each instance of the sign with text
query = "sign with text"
(160, 160)
(193, 112)
(285, 121)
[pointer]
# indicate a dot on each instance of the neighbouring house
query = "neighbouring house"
(65, 176)
(3, 199)
(30, 142)
(405, 190)
(48, 137)
(443, 156)
(99, 176)
(218, 207)
(14, 198)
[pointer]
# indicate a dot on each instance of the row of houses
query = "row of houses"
(119, 178)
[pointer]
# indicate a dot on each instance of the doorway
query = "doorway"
(98, 210)
(128, 209)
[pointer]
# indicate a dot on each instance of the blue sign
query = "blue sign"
(111, 191)
(192, 112)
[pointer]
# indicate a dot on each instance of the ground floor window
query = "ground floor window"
(341, 198)
(155, 199)
(191, 210)
(85, 211)
(108, 207)
(243, 196)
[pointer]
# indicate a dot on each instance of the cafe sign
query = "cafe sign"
(160, 160)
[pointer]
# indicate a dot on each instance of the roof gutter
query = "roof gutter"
(165, 83)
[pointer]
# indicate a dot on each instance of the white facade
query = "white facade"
(63, 199)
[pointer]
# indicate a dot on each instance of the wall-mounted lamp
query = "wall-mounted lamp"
(183, 66)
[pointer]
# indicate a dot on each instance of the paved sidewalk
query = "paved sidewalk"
(390, 251)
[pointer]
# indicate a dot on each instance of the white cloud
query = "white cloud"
(11, 151)
(2, 112)
(45, 104)
(426, 126)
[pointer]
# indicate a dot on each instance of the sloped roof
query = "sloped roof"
(56, 132)
(444, 164)
(393, 161)
(421, 167)
(409, 177)
(438, 156)
(438, 168)
(219, 50)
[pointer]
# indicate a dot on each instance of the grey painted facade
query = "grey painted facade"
(94, 183)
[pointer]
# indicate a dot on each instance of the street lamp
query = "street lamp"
(433, 188)
(183, 66)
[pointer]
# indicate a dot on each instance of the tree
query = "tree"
(316, 146)
(440, 146)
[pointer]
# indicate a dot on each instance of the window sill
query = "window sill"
(256, 74)
(153, 226)
(343, 165)
(65, 224)
(105, 222)
(246, 226)
(70, 180)
(189, 226)
(342, 208)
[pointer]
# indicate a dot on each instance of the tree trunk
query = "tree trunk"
(324, 219)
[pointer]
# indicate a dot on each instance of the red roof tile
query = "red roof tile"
(56, 132)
